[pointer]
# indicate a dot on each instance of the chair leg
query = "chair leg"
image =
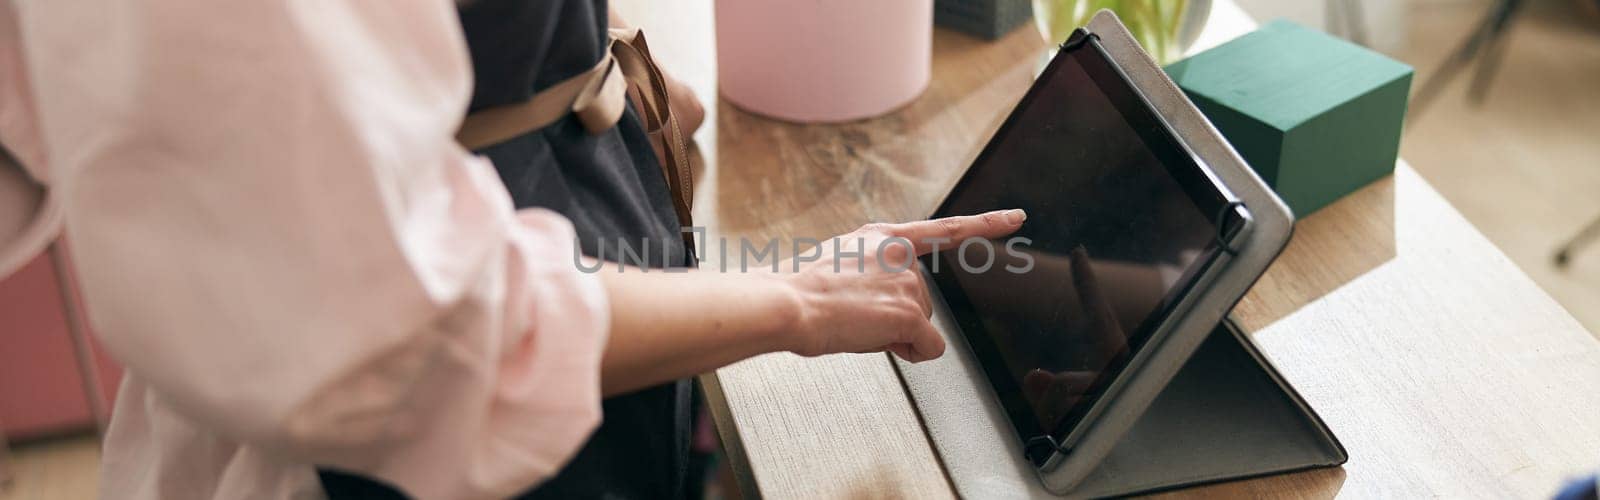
(1588, 235)
(1458, 60)
(1494, 51)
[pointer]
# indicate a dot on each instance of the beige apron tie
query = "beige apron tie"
(597, 97)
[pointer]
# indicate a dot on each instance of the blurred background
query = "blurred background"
(1512, 140)
(1521, 160)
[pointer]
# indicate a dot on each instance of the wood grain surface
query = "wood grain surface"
(1441, 366)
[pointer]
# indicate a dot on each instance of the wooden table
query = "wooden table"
(1441, 366)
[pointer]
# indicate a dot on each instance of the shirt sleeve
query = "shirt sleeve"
(276, 232)
(30, 217)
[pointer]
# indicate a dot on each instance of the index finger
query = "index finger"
(949, 232)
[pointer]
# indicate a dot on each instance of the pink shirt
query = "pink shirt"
(278, 237)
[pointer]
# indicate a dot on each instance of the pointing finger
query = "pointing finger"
(951, 231)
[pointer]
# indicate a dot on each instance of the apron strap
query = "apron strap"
(585, 94)
(649, 88)
(597, 96)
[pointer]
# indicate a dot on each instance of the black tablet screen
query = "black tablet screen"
(1120, 223)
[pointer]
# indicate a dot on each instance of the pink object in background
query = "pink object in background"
(54, 379)
(823, 60)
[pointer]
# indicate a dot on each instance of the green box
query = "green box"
(1317, 117)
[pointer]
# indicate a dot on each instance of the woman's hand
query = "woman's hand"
(864, 292)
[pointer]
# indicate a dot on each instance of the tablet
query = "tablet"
(1124, 221)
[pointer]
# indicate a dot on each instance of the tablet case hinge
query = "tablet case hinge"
(1221, 223)
(1077, 38)
(1038, 449)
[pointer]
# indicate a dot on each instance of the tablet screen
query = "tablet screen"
(1119, 225)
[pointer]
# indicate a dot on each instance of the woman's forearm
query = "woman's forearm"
(667, 326)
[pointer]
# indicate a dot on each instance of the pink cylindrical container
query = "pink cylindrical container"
(823, 60)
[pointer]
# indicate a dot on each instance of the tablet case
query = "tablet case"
(1213, 409)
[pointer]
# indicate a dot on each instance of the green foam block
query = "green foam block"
(1317, 117)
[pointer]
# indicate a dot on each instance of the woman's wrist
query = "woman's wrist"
(781, 311)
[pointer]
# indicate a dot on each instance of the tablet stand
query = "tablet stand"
(1226, 415)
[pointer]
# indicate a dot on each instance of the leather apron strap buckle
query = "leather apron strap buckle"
(597, 97)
